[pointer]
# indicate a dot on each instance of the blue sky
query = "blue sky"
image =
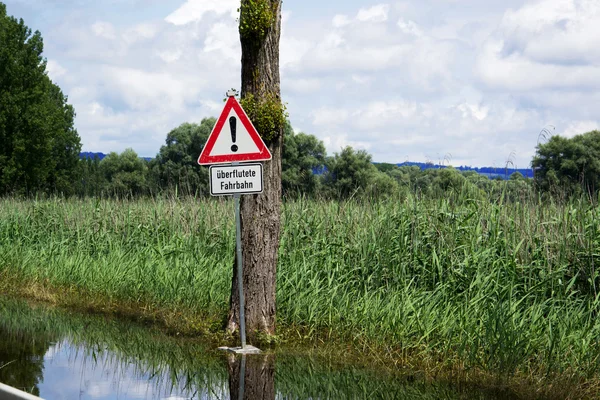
(469, 81)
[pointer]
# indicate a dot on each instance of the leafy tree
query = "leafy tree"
(125, 173)
(93, 181)
(39, 146)
(176, 163)
(517, 176)
(351, 173)
(569, 165)
(448, 179)
(303, 154)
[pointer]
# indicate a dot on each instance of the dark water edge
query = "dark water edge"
(58, 354)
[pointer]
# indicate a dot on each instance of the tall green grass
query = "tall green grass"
(464, 281)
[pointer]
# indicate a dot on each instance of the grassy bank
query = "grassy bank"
(455, 283)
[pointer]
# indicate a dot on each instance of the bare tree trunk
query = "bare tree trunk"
(260, 214)
(256, 381)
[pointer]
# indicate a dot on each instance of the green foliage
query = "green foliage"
(256, 18)
(125, 174)
(569, 166)
(176, 164)
(93, 181)
(268, 115)
(503, 288)
(39, 147)
(351, 172)
(303, 154)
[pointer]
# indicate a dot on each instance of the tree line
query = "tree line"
(39, 151)
(307, 170)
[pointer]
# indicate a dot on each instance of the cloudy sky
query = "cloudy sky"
(469, 82)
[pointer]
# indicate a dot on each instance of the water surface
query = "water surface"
(61, 355)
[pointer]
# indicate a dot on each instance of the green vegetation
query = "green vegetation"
(302, 154)
(569, 166)
(256, 18)
(456, 283)
(268, 115)
(176, 168)
(39, 147)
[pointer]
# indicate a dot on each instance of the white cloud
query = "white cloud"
(555, 31)
(223, 37)
(545, 44)
(580, 127)
(194, 10)
(409, 27)
(170, 56)
(334, 143)
(475, 111)
(378, 13)
(515, 72)
(292, 50)
(303, 85)
(362, 79)
(144, 31)
(104, 30)
(475, 79)
(144, 90)
(327, 116)
(55, 70)
(340, 21)
(385, 114)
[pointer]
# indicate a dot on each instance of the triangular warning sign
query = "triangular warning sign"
(233, 139)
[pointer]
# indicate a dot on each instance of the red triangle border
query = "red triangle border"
(262, 155)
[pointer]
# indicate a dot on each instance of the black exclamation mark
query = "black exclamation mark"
(232, 125)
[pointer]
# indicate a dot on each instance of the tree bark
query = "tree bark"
(260, 214)
(258, 377)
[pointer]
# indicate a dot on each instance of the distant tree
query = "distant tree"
(125, 174)
(93, 181)
(39, 146)
(448, 179)
(517, 176)
(351, 172)
(176, 163)
(303, 154)
(386, 167)
(569, 165)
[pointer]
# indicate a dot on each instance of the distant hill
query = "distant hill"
(89, 154)
(490, 172)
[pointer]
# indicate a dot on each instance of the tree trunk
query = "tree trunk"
(260, 214)
(257, 381)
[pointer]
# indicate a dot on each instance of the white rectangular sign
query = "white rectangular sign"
(236, 179)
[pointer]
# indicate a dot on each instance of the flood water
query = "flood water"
(60, 355)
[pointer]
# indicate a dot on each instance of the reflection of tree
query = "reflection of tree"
(252, 377)
(23, 360)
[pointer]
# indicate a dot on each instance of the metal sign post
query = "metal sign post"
(240, 265)
(233, 143)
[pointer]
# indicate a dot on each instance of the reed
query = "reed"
(462, 281)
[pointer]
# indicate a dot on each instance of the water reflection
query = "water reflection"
(75, 371)
(22, 360)
(251, 377)
(58, 355)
